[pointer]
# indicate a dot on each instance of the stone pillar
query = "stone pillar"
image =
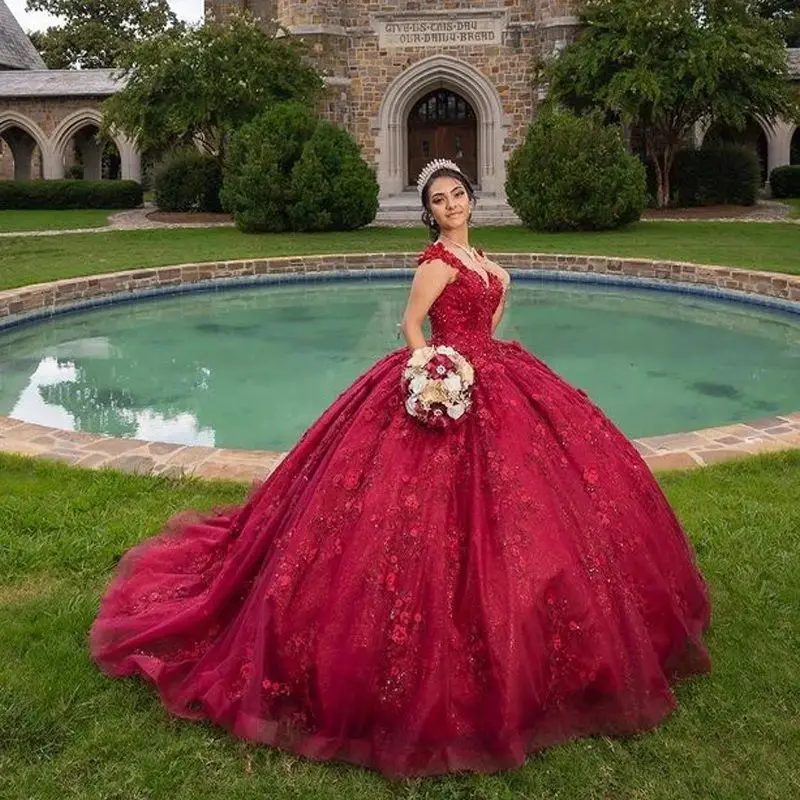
(22, 147)
(779, 143)
(130, 158)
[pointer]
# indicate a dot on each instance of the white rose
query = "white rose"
(446, 350)
(420, 356)
(411, 406)
(467, 373)
(456, 411)
(418, 384)
(452, 383)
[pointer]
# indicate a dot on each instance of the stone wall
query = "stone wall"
(344, 44)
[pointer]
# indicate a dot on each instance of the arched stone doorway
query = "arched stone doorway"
(76, 141)
(26, 145)
(442, 124)
(24, 153)
(429, 76)
(86, 156)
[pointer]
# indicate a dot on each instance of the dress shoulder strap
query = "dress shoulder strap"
(438, 251)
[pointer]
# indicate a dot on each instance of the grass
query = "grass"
(66, 731)
(62, 219)
(34, 259)
(794, 202)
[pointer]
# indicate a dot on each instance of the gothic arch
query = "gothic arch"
(71, 124)
(440, 72)
(13, 119)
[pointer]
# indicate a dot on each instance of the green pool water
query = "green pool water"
(252, 368)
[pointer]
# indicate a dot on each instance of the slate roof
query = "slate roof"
(60, 82)
(16, 50)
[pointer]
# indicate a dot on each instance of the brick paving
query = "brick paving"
(670, 451)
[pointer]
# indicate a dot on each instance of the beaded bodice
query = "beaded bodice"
(462, 314)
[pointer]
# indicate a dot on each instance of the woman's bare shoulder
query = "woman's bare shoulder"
(437, 268)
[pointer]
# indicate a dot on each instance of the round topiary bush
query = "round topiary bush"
(189, 181)
(258, 167)
(574, 173)
(332, 187)
(785, 181)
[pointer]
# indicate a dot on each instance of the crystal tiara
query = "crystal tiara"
(431, 167)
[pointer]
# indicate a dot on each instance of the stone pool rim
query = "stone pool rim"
(37, 302)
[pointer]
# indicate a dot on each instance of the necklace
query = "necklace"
(470, 251)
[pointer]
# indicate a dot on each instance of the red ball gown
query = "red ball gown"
(422, 601)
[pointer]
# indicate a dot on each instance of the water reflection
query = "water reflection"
(63, 394)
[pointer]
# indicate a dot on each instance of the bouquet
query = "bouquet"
(438, 381)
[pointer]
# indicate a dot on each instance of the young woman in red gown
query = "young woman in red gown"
(422, 601)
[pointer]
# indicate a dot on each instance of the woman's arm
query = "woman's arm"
(498, 312)
(505, 279)
(429, 281)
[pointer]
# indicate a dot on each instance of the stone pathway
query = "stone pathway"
(136, 219)
(673, 451)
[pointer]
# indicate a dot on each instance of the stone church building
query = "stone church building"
(419, 80)
(412, 80)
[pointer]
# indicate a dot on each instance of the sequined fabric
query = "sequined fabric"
(422, 602)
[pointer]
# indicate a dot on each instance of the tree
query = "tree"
(574, 173)
(95, 33)
(785, 14)
(201, 86)
(664, 65)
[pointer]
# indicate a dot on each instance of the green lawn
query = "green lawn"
(63, 219)
(30, 260)
(68, 732)
(794, 202)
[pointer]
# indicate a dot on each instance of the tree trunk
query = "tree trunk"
(652, 155)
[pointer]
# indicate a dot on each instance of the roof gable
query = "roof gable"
(16, 49)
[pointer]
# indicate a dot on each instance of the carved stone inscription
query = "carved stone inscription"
(444, 30)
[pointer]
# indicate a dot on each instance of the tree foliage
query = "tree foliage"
(258, 167)
(288, 170)
(573, 173)
(785, 14)
(201, 86)
(667, 64)
(333, 187)
(95, 33)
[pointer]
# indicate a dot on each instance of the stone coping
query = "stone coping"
(671, 451)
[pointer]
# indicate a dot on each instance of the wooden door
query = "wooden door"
(442, 125)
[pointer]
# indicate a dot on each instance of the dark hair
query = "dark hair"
(445, 172)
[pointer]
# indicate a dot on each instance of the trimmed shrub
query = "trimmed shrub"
(574, 173)
(332, 187)
(785, 181)
(725, 174)
(70, 194)
(189, 181)
(258, 167)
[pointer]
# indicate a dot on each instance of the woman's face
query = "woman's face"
(449, 203)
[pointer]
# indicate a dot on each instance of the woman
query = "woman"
(422, 601)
